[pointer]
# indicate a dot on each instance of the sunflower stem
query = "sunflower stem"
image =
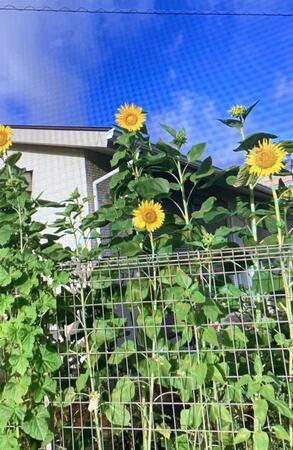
(287, 289)
(251, 198)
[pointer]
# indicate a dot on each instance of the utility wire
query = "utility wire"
(149, 12)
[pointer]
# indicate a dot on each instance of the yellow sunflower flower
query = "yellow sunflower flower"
(237, 111)
(5, 138)
(148, 215)
(130, 117)
(265, 159)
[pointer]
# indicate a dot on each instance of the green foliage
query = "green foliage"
(28, 287)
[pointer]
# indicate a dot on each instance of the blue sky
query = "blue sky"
(61, 69)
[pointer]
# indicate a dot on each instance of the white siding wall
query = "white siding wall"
(56, 173)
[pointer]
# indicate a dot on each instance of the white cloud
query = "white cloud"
(42, 58)
(283, 87)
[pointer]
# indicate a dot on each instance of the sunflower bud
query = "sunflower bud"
(180, 138)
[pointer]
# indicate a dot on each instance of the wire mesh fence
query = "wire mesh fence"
(182, 351)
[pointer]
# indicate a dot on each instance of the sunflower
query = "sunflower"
(237, 111)
(148, 215)
(5, 138)
(265, 159)
(130, 117)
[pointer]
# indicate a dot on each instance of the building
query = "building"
(59, 159)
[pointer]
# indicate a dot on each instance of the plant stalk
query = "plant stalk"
(287, 290)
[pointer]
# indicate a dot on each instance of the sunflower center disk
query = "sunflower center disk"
(266, 159)
(150, 216)
(131, 119)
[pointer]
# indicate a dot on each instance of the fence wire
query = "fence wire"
(175, 352)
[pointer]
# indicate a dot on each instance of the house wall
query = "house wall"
(56, 172)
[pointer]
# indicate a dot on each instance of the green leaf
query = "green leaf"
(16, 388)
(234, 123)
(181, 311)
(204, 170)
(196, 152)
(211, 311)
(128, 247)
(19, 363)
(252, 140)
(242, 436)
(49, 385)
(81, 381)
(11, 160)
(192, 417)
(149, 188)
(6, 231)
(200, 370)
(260, 440)
(69, 397)
(117, 178)
(158, 366)
(281, 433)
(169, 130)
(118, 415)
(36, 426)
(5, 278)
(205, 207)
(265, 282)
(219, 412)
(9, 442)
(182, 279)
(122, 352)
(124, 391)
(151, 324)
(210, 336)
(258, 367)
(283, 408)
(119, 154)
(198, 297)
(267, 391)
(249, 109)
(49, 360)
(5, 414)
(260, 408)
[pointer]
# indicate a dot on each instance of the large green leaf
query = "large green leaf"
(281, 433)
(260, 409)
(252, 140)
(122, 352)
(124, 390)
(169, 130)
(149, 188)
(204, 170)
(118, 415)
(242, 436)
(260, 440)
(5, 278)
(233, 123)
(207, 206)
(37, 424)
(192, 417)
(49, 360)
(196, 152)
(249, 109)
(265, 282)
(283, 408)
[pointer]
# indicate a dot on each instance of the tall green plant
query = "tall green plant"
(29, 281)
